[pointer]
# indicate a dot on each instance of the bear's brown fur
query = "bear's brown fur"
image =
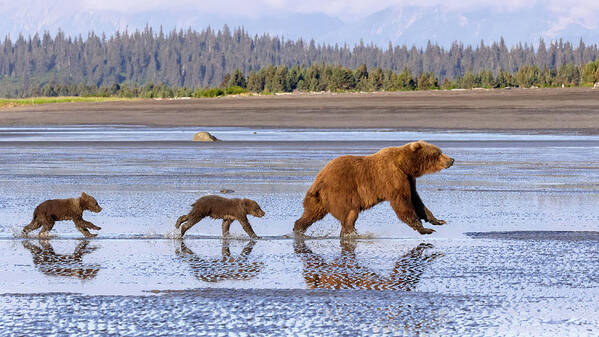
(348, 185)
(221, 208)
(50, 211)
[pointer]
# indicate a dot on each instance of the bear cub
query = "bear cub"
(221, 208)
(50, 211)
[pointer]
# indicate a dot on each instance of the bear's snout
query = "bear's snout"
(259, 213)
(446, 161)
(97, 209)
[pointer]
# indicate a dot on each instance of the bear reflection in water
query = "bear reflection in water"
(67, 265)
(345, 272)
(222, 269)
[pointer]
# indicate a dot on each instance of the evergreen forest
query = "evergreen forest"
(211, 62)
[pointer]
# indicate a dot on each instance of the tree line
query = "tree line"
(337, 78)
(193, 59)
(322, 77)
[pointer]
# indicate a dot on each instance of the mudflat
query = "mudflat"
(558, 109)
(518, 255)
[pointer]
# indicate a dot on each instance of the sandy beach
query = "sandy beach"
(558, 109)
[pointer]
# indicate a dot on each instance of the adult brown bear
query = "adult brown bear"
(348, 185)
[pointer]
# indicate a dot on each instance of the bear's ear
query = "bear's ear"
(247, 204)
(415, 146)
(83, 194)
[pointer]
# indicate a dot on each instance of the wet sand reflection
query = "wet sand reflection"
(345, 272)
(66, 265)
(225, 268)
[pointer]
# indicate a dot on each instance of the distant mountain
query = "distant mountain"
(399, 25)
(416, 26)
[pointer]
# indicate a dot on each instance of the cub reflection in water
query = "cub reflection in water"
(225, 268)
(67, 265)
(345, 272)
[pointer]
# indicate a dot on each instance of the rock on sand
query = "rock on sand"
(203, 136)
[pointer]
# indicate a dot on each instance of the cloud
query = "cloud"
(228, 8)
(342, 9)
(559, 15)
(584, 13)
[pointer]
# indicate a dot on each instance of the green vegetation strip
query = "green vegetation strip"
(47, 100)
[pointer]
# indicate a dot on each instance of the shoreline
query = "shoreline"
(548, 110)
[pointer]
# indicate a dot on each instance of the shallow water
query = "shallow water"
(517, 257)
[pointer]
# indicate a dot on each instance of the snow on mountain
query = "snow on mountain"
(414, 25)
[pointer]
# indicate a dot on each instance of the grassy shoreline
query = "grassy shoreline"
(14, 102)
(32, 101)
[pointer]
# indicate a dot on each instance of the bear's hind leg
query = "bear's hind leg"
(181, 220)
(313, 211)
(47, 226)
(189, 223)
(226, 226)
(33, 225)
(348, 224)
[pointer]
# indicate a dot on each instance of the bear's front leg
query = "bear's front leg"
(245, 224)
(85, 232)
(430, 218)
(405, 212)
(421, 210)
(82, 227)
(90, 225)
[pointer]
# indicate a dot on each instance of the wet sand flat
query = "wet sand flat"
(573, 109)
(316, 287)
(517, 257)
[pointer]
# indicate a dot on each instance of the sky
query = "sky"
(378, 21)
(566, 11)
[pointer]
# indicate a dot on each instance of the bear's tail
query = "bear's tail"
(313, 211)
(181, 220)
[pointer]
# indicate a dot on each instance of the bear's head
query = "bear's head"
(423, 158)
(251, 207)
(88, 202)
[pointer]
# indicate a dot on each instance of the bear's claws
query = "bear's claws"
(426, 231)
